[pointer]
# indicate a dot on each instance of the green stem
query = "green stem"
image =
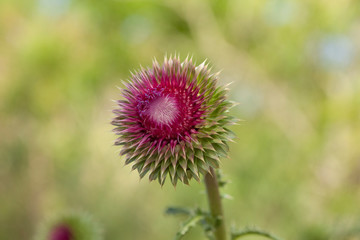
(214, 198)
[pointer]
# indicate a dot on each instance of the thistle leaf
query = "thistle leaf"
(187, 225)
(177, 211)
(252, 231)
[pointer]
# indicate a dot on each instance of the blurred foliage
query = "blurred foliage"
(295, 168)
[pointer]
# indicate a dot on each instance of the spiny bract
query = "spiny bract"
(172, 121)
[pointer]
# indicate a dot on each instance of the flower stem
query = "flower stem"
(214, 198)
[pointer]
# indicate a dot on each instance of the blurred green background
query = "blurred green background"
(295, 166)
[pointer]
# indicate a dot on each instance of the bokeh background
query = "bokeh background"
(295, 166)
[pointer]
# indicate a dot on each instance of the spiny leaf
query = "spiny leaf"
(252, 231)
(197, 216)
(187, 225)
(177, 211)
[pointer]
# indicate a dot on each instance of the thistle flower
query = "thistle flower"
(69, 226)
(61, 232)
(172, 121)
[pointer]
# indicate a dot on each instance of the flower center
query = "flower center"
(169, 112)
(162, 110)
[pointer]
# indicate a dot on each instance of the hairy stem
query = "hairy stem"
(214, 199)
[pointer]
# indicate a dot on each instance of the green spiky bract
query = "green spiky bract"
(173, 120)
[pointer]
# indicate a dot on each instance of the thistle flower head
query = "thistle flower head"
(61, 232)
(69, 226)
(172, 121)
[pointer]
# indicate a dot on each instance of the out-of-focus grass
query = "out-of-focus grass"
(295, 167)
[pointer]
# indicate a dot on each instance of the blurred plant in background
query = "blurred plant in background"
(69, 226)
(295, 70)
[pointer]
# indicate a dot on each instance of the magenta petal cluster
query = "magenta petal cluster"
(61, 232)
(172, 121)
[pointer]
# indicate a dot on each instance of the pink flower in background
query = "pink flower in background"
(61, 232)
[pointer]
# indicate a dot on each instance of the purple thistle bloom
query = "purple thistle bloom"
(61, 232)
(172, 121)
(69, 226)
